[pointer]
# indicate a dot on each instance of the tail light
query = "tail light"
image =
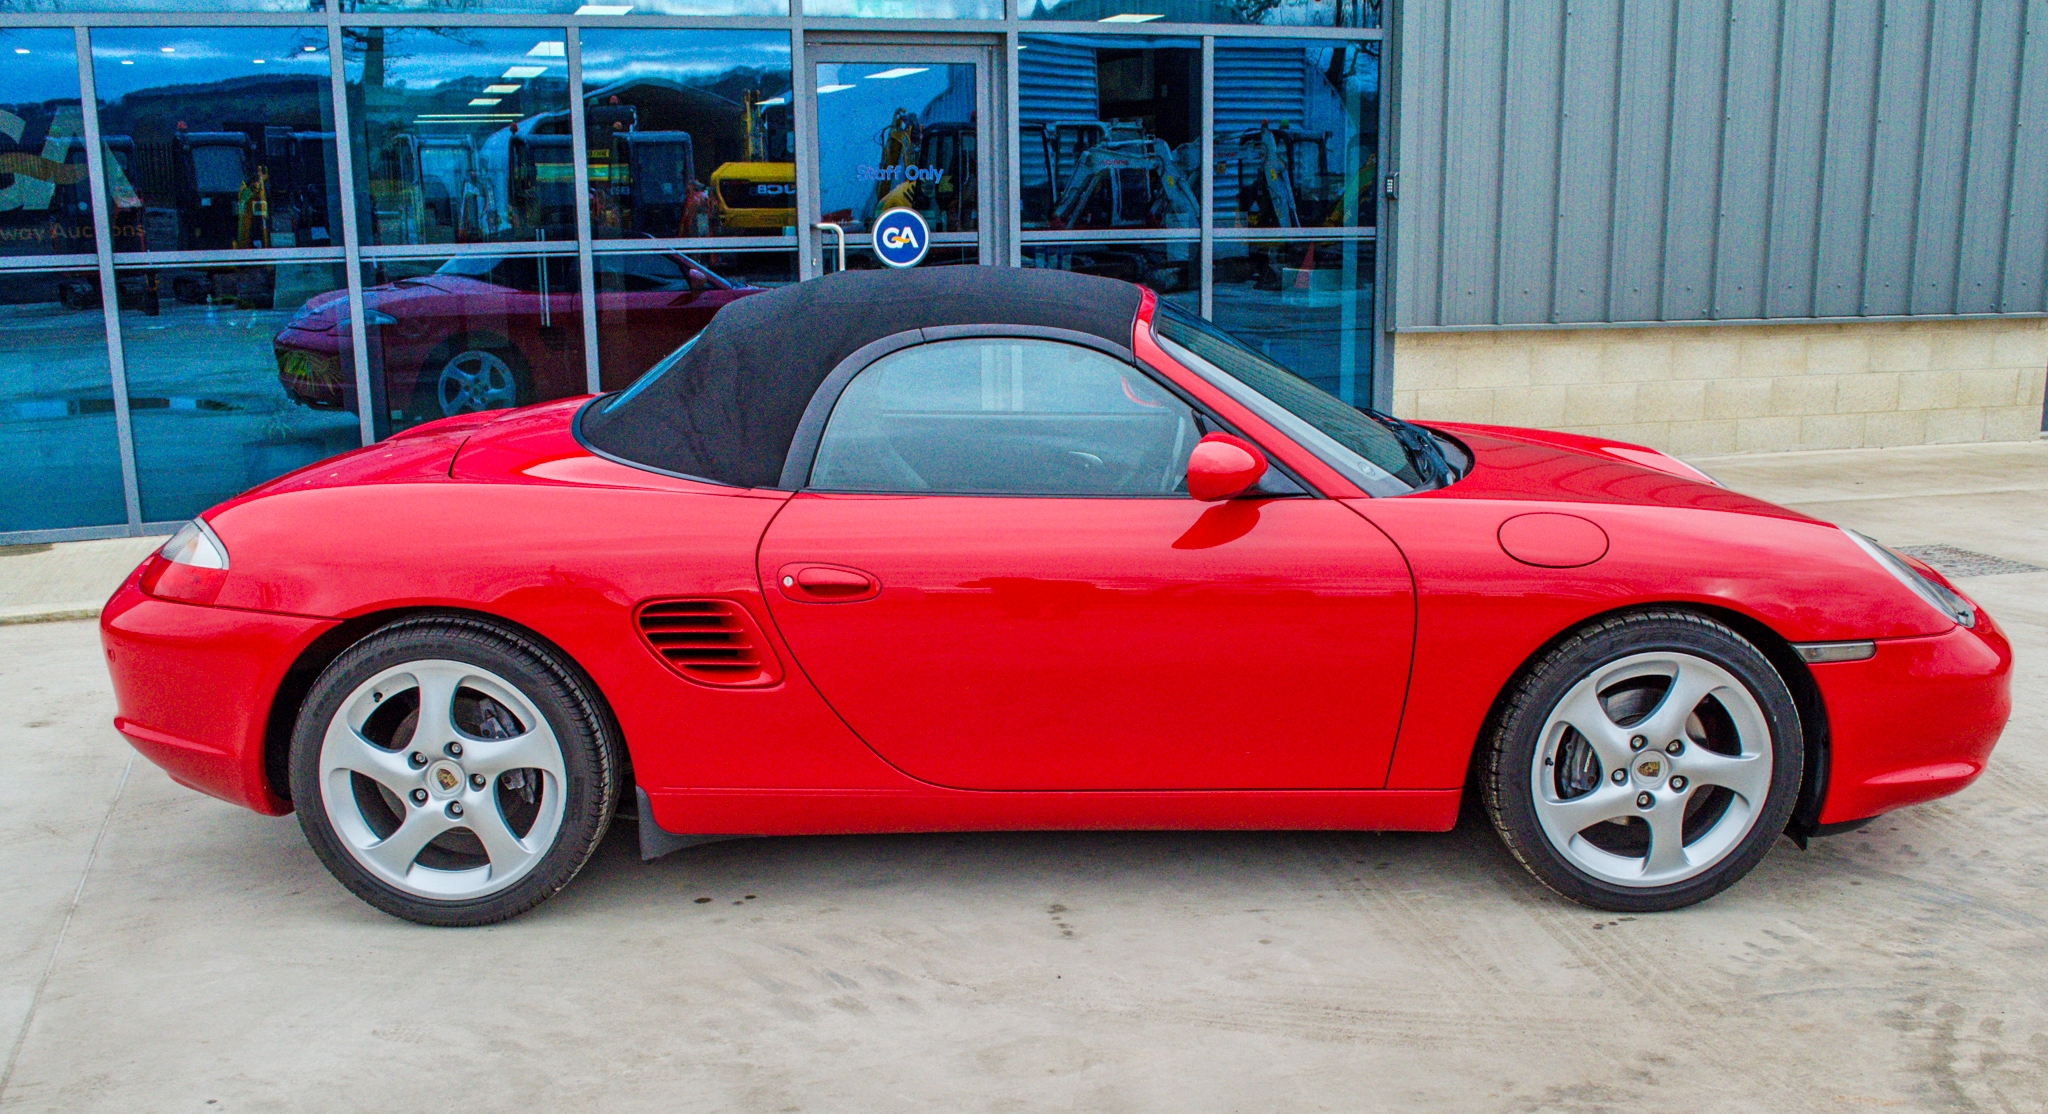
(190, 568)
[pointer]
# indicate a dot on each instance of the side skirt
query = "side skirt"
(678, 814)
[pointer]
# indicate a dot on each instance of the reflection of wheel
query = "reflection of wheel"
(453, 773)
(78, 295)
(466, 375)
(1645, 763)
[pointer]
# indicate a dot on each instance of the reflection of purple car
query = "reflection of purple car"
(490, 332)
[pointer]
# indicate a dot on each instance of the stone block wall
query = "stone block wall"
(1709, 389)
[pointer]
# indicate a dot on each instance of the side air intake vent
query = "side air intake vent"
(714, 642)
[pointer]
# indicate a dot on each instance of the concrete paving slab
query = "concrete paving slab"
(211, 958)
(68, 580)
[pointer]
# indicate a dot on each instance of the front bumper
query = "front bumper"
(193, 688)
(310, 374)
(1915, 721)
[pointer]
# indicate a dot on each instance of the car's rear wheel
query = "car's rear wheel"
(452, 773)
(1645, 763)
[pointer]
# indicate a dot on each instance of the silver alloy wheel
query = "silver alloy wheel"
(418, 798)
(1648, 796)
(476, 379)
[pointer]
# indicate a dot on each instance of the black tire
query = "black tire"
(591, 766)
(1509, 774)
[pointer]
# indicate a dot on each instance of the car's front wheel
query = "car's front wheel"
(1645, 763)
(451, 772)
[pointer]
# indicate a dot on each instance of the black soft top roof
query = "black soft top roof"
(727, 409)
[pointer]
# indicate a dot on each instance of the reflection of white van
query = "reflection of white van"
(423, 189)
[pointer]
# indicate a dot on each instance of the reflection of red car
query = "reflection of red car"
(976, 548)
(491, 332)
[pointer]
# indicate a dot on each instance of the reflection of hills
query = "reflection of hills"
(284, 99)
(1171, 11)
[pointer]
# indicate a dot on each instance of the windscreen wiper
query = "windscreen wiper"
(1423, 451)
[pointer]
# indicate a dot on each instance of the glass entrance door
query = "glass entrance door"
(899, 126)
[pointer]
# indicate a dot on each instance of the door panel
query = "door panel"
(1058, 643)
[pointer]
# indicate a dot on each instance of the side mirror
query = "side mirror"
(1224, 467)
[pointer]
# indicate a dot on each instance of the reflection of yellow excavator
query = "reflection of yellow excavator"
(930, 168)
(759, 192)
(901, 142)
(252, 210)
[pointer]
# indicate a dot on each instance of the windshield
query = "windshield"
(1367, 450)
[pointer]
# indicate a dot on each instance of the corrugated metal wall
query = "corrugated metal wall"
(1056, 80)
(1568, 161)
(1256, 83)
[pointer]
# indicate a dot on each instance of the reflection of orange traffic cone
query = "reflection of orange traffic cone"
(696, 209)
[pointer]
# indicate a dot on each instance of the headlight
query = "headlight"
(1952, 607)
(371, 318)
(196, 545)
(190, 568)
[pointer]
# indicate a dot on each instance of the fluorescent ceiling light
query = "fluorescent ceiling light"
(784, 99)
(485, 101)
(127, 61)
(501, 88)
(21, 50)
(521, 73)
(258, 61)
(168, 49)
(444, 117)
(1132, 17)
(900, 71)
(549, 49)
(824, 89)
(604, 9)
(311, 49)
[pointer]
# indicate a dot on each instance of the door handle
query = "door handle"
(814, 583)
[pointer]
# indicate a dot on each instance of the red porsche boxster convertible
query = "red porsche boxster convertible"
(990, 549)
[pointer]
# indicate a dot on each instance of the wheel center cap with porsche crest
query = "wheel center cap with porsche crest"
(1651, 768)
(444, 779)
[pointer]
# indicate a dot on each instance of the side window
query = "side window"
(1001, 416)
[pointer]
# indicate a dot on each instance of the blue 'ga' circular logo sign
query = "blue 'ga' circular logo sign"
(901, 238)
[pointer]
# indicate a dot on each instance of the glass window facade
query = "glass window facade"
(479, 331)
(1297, 134)
(211, 414)
(650, 302)
(463, 138)
(57, 430)
(46, 206)
(1306, 304)
(336, 222)
(1110, 132)
(691, 134)
(1264, 13)
(225, 136)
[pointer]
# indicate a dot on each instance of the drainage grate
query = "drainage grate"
(1962, 562)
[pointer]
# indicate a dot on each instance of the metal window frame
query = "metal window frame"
(354, 255)
(110, 290)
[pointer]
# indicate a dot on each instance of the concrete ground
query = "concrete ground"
(39, 583)
(161, 951)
